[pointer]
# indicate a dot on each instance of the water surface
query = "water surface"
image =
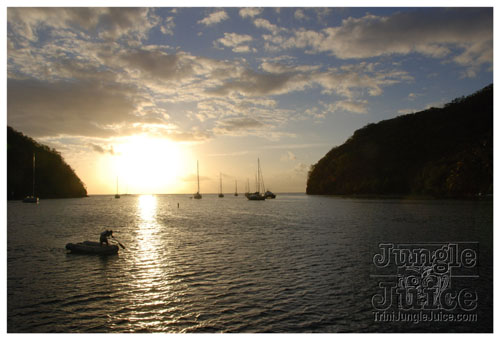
(294, 264)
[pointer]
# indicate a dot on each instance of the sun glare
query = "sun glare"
(148, 165)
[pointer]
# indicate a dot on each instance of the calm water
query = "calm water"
(294, 264)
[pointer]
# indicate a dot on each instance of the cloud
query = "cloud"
(436, 33)
(168, 26)
(262, 123)
(316, 112)
(352, 106)
(266, 24)
(297, 146)
(130, 88)
(299, 15)
(250, 12)
(100, 149)
(322, 14)
(244, 49)
(157, 64)
(424, 31)
(214, 18)
(87, 108)
(118, 87)
(251, 83)
(437, 104)
(362, 76)
(288, 156)
(126, 21)
(236, 41)
(301, 168)
(237, 124)
(275, 67)
(212, 110)
(279, 79)
(106, 23)
(193, 136)
(406, 111)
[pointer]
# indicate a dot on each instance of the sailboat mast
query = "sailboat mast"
(258, 174)
(34, 166)
(220, 176)
(117, 185)
(198, 175)
(262, 180)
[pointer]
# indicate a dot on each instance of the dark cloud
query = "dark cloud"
(100, 149)
(235, 124)
(426, 31)
(108, 23)
(82, 71)
(157, 64)
(464, 35)
(87, 108)
(280, 79)
(252, 83)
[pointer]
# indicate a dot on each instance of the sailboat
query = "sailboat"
(117, 195)
(257, 196)
(236, 188)
(32, 198)
(220, 192)
(197, 195)
(247, 192)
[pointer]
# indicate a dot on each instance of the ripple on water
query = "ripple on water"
(293, 264)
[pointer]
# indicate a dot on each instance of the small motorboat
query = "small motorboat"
(30, 199)
(269, 194)
(89, 247)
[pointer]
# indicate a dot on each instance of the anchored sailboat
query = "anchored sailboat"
(257, 196)
(267, 193)
(247, 192)
(32, 198)
(197, 195)
(117, 195)
(220, 191)
(236, 188)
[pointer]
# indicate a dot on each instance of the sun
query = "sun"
(148, 165)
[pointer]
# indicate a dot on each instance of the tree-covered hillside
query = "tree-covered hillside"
(54, 178)
(445, 152)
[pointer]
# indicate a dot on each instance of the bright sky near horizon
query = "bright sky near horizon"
(142, 93)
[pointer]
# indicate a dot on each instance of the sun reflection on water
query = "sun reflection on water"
(149, 282)
(148, 230)
(146, 207)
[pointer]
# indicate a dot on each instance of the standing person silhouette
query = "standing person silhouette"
(104, 237)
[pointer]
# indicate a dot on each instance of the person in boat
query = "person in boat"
(103, 240)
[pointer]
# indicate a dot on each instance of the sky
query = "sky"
(142, 94)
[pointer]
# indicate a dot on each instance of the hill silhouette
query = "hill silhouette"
(440, 152)
(54, 177)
